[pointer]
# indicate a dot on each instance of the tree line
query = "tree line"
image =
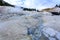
(3, 3)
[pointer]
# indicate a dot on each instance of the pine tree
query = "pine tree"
(57, 5)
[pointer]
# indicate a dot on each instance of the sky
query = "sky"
(38, 4)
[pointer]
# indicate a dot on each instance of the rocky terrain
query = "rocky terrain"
(16, 24)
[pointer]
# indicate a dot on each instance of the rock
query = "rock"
(55, 13)
(49, 32)
(51, 28)
(58, 35)
(52, 22)
(19, 37)
(46, 14)
(54, 9)
(28, 25)
(17, 26)
(50, 38)
(43, 37)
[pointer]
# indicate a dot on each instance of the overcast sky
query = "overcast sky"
(38, 4)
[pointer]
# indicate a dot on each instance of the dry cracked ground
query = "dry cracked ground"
(16, 24)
